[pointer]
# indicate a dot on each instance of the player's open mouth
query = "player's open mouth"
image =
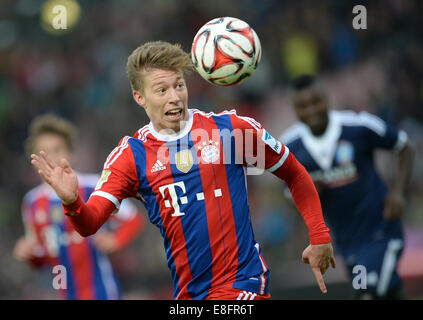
(174, 114)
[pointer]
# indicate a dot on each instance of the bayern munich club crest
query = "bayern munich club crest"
(209, 151)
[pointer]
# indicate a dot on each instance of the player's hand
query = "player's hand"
(24, 249)
(59, 176)
(319, 257)
(394, 205)
(106, 242)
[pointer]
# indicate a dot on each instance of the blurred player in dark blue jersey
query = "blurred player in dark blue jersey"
(337, 149)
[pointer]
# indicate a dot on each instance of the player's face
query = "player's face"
(164, 98)
(311, 109)
(54, 145)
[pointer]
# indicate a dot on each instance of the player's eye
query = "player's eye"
(180, 85)
(161, 90)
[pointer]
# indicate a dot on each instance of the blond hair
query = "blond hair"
(50, 124)
(156, 54)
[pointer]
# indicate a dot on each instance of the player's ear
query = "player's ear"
(139, 98)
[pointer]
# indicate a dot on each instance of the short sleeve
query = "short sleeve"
(381, 135)
(257, 146)
(119, 176)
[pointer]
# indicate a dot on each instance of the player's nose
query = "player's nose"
(174, 96)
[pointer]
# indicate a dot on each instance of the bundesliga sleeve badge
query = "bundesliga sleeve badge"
(271, 142)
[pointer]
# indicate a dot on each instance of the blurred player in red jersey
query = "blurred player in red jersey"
(51, 240)
(189, 170)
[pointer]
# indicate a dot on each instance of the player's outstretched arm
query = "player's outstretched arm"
(319, 254)
(60, 177)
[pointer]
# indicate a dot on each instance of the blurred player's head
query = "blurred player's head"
(156, 73)
(51, 134)
(310, 103)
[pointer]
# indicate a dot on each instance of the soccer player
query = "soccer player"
(51, 240)
(189, 169)
(336, 148)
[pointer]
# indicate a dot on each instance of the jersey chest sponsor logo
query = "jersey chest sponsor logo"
(336, 176)
(177, 192)
(344, 172)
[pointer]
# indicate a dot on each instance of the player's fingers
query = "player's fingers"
(40, 164)
(333, 262)
(319, 279)
(65, 165)
(41, 169)
(324, 267)
(45, 176)
(37, 162)
(48, 161)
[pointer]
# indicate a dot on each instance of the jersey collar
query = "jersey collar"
(175, 136)
(322, 148)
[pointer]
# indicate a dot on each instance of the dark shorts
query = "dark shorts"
(373, 267)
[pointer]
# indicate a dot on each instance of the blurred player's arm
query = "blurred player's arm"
(27, 248)
(395, 201)
(268, 153)
(379, 134)
(319, 254)
(305, 197)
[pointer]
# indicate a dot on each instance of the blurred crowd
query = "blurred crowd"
(80, 75)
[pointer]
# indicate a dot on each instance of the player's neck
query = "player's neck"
(169, 133)
(170, 130)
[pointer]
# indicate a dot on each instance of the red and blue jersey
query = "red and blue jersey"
(89, 274)
(193, 184)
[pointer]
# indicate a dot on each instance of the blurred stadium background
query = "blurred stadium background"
(79, 73)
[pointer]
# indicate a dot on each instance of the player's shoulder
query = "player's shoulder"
(293, 133)
(213, 116)
(362, 119)
(204, 114)
(230, 119)
(127, 143)
(141, 134)
(121, 153)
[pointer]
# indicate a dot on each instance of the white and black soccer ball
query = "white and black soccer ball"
(226, 51)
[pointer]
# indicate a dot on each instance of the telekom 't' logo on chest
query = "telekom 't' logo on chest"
(174, 200)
